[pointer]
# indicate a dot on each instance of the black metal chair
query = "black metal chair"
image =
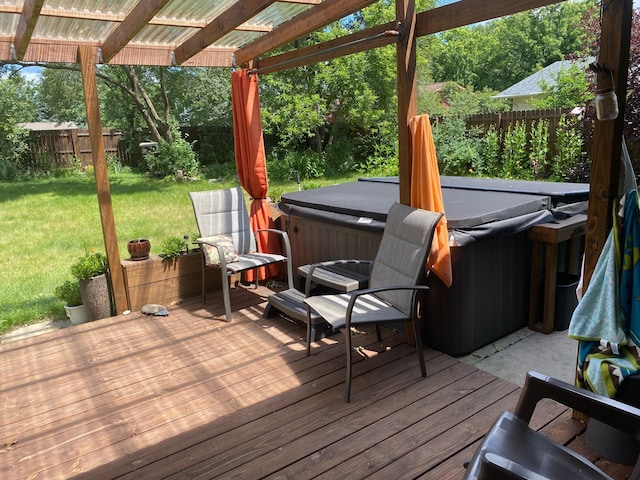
(512, 450)
(396, 280)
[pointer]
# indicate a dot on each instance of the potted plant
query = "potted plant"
(91, 272)
(69, 293)
(139, 249)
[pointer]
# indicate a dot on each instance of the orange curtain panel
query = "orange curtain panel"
(426, 193)
(251, 164)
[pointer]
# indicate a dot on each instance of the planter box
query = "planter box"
(156, 280)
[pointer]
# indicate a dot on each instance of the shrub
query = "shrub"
(569, 161)
(69, 293)
(515, 156)
(458, 149)
(170, 159)
(307, 164)
(488, 165)
(539, 149)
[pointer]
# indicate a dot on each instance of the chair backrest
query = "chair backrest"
(406, 242)
(223, 212)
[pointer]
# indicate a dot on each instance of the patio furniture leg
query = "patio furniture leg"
(225, 295)
(309, 328)
(347, 389)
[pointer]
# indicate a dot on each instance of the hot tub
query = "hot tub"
(489, 297)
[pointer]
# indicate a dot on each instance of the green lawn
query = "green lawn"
(48, 224)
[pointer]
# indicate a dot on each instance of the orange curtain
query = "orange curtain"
(426, 193)
(251, 164)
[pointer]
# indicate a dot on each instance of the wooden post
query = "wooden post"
(615, 39)
(88, 70)
(407, 91)
(407, 103)
(607, 136)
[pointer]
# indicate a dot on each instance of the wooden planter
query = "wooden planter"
(157, 280)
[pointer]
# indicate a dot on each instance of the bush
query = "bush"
(308, 164)
(175, 159)
(90, 265)
(458, 149)
(69, 293)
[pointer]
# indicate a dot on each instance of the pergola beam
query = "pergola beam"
(26, 25)
(137, 19)
(360, 41)
(306, 22)
(235, 15)
(468, 12)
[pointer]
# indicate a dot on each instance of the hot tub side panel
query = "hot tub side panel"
(489, 297)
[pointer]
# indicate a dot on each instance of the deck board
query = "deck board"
(192, 396)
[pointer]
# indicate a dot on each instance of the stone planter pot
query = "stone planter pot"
(77, 314)
(96, 296)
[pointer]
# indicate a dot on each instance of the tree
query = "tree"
(345, 109)
(133, 97)
(571, 88)
(17, 105)
(499, 53)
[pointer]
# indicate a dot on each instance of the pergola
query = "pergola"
(226, 33)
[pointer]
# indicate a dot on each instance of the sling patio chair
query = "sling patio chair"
(397, 279)
(227, 241)
(512, 450)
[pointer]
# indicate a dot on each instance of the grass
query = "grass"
(49, 223)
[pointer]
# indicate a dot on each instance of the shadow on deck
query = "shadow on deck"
(190, 395)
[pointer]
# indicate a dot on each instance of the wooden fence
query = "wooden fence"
(59, 148)
(503, 120)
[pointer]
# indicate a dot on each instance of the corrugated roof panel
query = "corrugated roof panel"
(163, 35)
(66, 28)
(236, 39)
(195, 10)
(8, 25)
(277, 14)
(100, 7)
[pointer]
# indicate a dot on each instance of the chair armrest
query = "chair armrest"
(329, 263)
(287, 250)
(612, 412)
(358, 293)
(497, 467)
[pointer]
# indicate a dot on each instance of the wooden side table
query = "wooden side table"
(547, 236)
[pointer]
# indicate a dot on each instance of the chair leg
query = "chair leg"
(255, 275)
(309, 331)
(204, 297)
(418, 337)
(347, 390)
(226, 296)
(378, 333)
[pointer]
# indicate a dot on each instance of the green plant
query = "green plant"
(69, 293)
(515, 155)
(488, 164)
(172, 247)
(171, 159)
(538, 156)
(90, 265)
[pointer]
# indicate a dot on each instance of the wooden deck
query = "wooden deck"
(191, 396)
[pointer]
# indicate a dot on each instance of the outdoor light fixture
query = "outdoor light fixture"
(606, 101)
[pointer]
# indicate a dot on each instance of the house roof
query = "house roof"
(532, 84)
